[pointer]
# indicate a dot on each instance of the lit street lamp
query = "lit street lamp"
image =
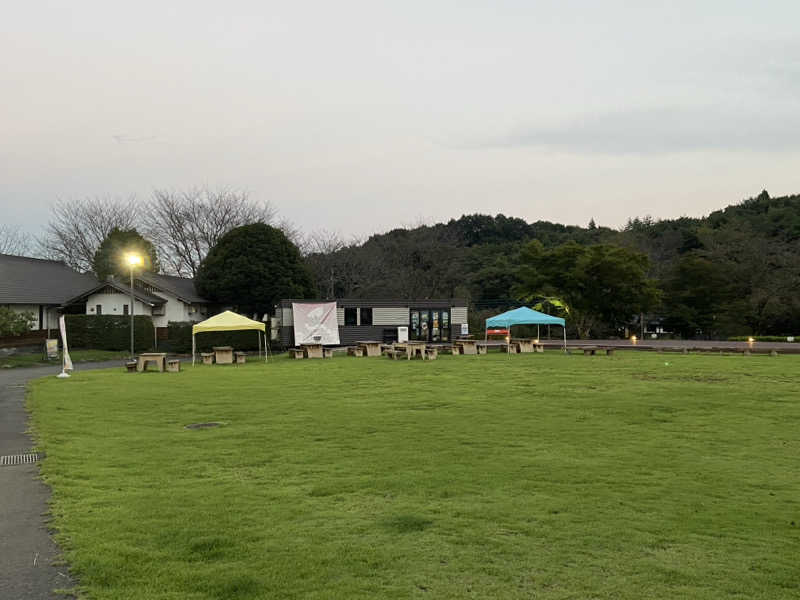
(133, 260)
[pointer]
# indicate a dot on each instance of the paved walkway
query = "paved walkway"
(27, 552)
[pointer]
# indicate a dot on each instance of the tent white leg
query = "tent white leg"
(565, 338)
(193, 347)
(537, 334)
(258, 335)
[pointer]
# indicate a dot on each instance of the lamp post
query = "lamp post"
(133, 260)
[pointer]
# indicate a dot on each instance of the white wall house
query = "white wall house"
(39, 287)
(162, 297)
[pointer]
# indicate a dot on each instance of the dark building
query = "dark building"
(435, 321)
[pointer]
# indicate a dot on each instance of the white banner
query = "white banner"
(315, 323)
(63, 327)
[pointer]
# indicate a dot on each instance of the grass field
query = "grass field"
(535, 476)
(78, 356)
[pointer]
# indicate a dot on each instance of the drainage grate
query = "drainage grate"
(19, 459)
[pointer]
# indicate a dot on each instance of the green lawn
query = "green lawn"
(78, 356)
(536, 476)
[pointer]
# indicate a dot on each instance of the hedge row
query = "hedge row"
(179, 339)
(764, 338)
(109, 332)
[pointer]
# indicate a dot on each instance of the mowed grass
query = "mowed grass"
(36, 359)
(533, 476)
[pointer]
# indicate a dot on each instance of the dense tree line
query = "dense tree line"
(734, 272)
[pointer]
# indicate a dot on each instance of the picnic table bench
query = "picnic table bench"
(313, 350)
(159, 359)
(223, 355)
(466, 346)
(370, 347)
(240, 357)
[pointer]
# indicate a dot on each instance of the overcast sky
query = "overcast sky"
(359, 116)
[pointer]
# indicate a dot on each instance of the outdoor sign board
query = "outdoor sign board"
(465, 329)
(315, 323)
(51, 348)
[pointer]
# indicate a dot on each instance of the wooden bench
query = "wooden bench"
(208, 358)
(296, 353)
(355, 351)
(131, 366)
(431, 353)
(483, 348)
(510, 348)
(589, 351)
(174, 365)
(240, 357)
(327, 352)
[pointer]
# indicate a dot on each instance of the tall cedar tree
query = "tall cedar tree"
(110, 257)
(251, 268)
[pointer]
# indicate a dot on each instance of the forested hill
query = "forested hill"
(736, 270)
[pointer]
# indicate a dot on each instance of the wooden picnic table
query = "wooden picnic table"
(528, 344)
(312, 350)
(223, 355)
(467, 346)
(370, 347)
(158, 358)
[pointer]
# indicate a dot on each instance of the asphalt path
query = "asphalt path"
(29, 566)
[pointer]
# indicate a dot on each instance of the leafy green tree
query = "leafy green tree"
(251, 268)
(111, 255)
(598, 285)
(696, 296)
(13, 323)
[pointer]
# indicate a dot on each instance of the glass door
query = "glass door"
(429, 325)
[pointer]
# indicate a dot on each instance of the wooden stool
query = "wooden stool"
(609, 351)
(131, 366)
(174, 365)
(208, 358)
(431, 353)
(296, 353)
(589, 351)
(241, 357)
(327, 352)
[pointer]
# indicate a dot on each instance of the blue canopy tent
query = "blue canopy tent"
(525, 316)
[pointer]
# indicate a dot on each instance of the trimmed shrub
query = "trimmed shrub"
(13, 323)
(109, 332)
(179, 339)
(763, 338)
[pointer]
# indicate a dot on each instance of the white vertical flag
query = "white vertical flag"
(67, 360)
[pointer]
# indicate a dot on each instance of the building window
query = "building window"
(350, 317)
(98, 310)
(366, 316)
(124, 309)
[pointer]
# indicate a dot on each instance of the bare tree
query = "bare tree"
(78, 227)
(13, 241)
(185, 225)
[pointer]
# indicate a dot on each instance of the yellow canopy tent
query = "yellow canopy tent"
(230, 321)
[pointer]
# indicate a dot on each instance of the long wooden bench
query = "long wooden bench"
(296, 353)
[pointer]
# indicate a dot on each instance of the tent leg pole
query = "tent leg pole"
(537, 334)
(193, 352)
(565, 338)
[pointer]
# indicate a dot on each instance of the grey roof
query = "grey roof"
(180, 287)
(140, 295)
(25, 280)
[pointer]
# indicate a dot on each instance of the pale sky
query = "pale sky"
(359, 116)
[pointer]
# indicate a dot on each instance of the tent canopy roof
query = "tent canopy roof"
(227, 321)
(523, 316)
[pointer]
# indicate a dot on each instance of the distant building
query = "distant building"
(429, 320)
(165, 298)
(40, 287)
